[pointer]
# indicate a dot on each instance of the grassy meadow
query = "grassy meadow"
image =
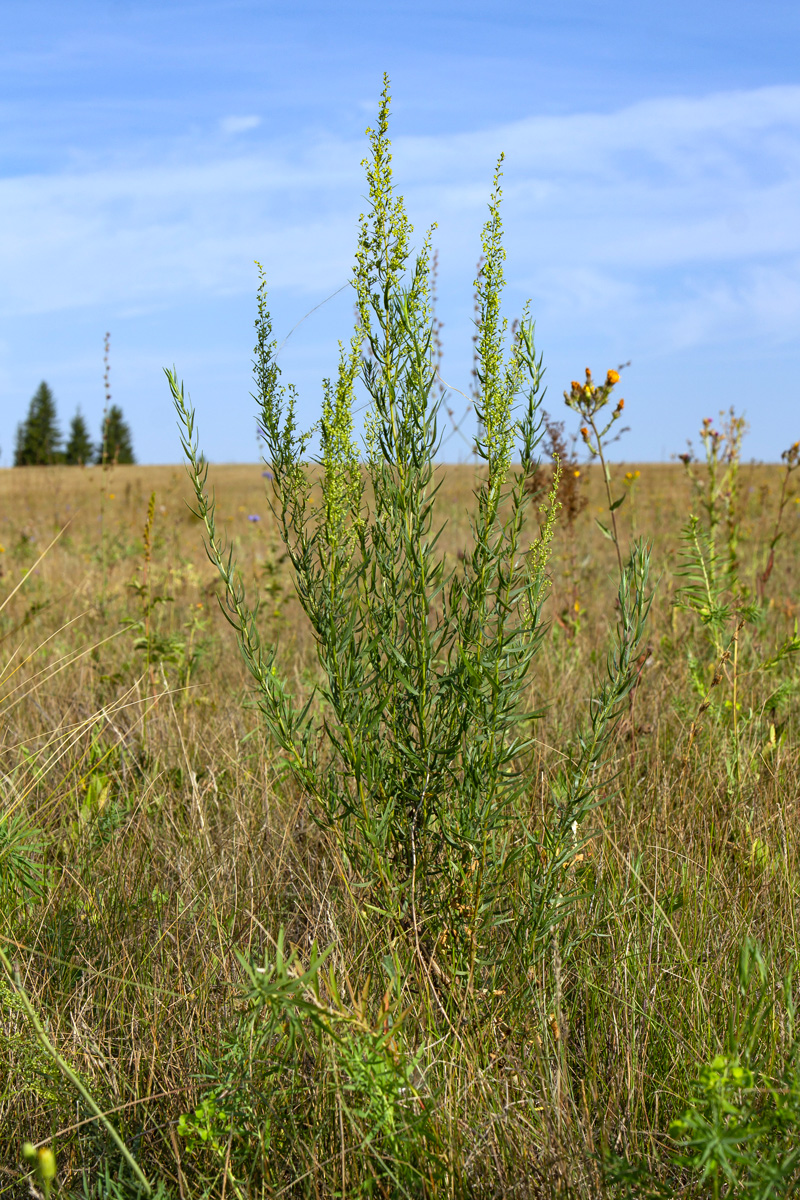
(153, 847)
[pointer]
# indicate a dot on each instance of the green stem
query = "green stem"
(607, 482)
(70, 1075)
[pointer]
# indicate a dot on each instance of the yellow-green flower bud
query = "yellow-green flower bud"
(47, 1165)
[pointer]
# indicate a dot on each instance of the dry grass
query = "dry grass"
(169, 839)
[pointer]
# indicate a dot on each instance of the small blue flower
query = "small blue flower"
(267, 475)
(254, 517)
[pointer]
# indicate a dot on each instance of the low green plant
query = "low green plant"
(355, 1085)
(71, 1076)
(23, 1061)
(20, 856)
(739, 1134)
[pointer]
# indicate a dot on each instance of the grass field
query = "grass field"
(152, 846)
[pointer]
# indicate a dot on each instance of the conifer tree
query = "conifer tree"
(116, 444)
(38, 437)
(79, 447)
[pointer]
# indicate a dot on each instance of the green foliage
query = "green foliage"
(116, 442)
(69, 1074)
(739, 1135)
(412, 757)
(713, 589)
(707, 591)
(498, 383)
(520, 996)
(712, 594)
(741, 1130)
(38, 437)
(413, 751)
(207, 1125)
(79, 451)
(716, 488)
(20, 856)
(26, 1070)
(103, 1184)
(265, 1117)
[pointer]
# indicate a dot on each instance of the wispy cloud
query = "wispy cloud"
(681, 211)
(239, 124)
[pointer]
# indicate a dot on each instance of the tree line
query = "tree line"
(40, 443)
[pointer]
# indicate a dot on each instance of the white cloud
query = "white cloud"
(679, 214)
(239, 124)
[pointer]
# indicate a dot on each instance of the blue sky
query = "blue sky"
(152, 151)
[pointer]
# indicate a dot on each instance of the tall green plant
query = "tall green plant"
(723, 606)
(588, 400)
(413, 759)
(716, 487)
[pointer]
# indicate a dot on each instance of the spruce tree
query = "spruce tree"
(79, 447)
(115, 439)
(38, 437)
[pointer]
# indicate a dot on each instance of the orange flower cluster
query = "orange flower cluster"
(588, 398)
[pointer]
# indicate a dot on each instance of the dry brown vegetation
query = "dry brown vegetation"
(166, 839)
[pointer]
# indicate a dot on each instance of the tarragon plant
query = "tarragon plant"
(410, 752)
